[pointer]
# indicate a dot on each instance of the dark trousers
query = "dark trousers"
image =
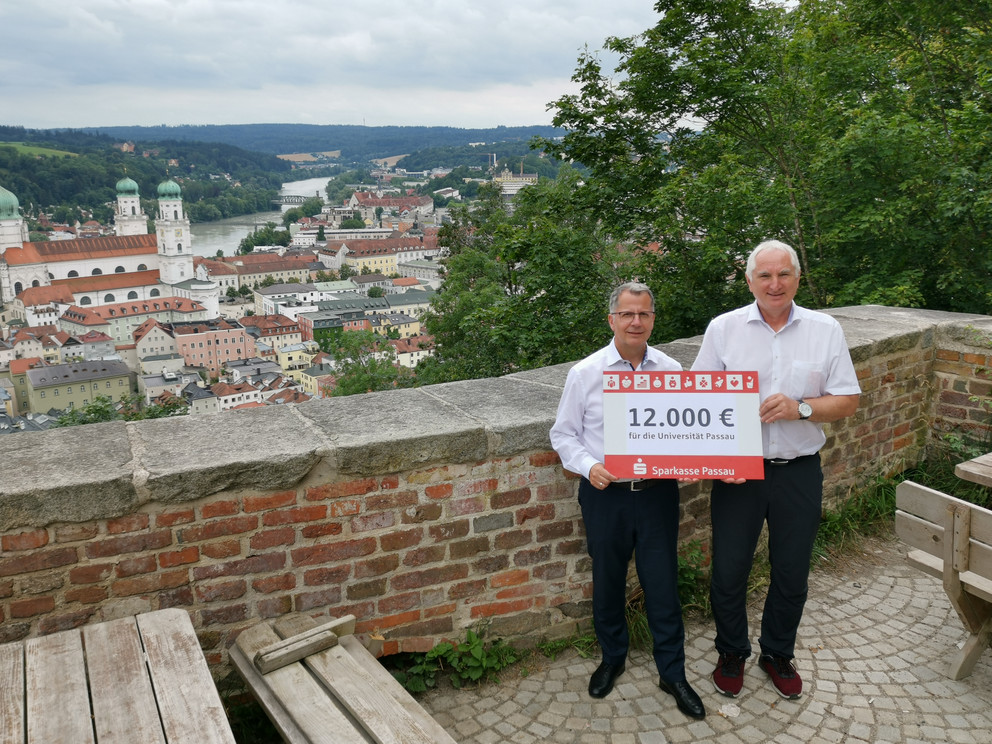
(790, 500)
(620, 523)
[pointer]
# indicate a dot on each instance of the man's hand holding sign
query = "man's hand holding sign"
(684, 425)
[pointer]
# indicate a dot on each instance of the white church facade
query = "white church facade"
(88, 272)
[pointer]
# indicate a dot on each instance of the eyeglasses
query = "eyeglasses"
(628, 317)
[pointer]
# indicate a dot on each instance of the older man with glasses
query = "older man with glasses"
(622, 517)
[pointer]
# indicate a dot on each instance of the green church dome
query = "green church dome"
(127, 187)
(169, 190)
(9, 206)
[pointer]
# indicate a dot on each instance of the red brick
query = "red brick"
(421, 513)
(467, 548)
(321, 599)
(392, 621)
(224, 615)
(544, 459)
(376, 566)
(357, 487)
(66, 621)
(333, 552)
(550, 571)
(401, 540)
(492, 609)
(491, 564)
(326, 575)
(439, 491)
(506, 499)
(311, 513)
(438, 610)
(127, 523)
(396, 500)
(345, 508)
(513, 539)
(274, 607)
(554, 531)
(326, 529)
(221, 549)
(527, 590)
(530, 557)
(172, 518)
(141, 564)
(128, 544)
(6, 590)
(270, 501)
(31, 606)
(472, 505)
(398, 603)
(510, 578)
(555, 492)
(225, 508)
(38, 561)
(485, 485)
(221, 592)
(76, 532)
(272, 538)
(24, 540)
(366, 589)
(90, 573)
(271, 584)
(86, 594)
(389, 482)
(179, 597)
(948, 355)
(543, 512)
(369, 522)
(423, 556)
(220, 528)
(429, 577)
(570, 547)
(255, 564)
(150, 583)
(449, 530)
(173, 558)
(979, 359)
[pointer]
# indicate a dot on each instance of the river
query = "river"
(226, 235)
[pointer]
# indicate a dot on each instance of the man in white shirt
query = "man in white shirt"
(625, 517)
(805, 378)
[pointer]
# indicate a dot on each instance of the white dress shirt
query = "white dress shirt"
(808, 358)
(577, 434)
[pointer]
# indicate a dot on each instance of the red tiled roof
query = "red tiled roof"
(81, 249)
(35, 296)
(105, 282)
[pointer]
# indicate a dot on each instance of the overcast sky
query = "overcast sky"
(463, 63)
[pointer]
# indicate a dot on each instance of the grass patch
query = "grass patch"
(35, 151)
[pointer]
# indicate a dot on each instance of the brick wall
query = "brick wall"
(422, 512)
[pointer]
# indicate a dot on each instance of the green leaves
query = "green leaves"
(473, 660)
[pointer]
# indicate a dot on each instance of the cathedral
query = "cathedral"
(87, 272)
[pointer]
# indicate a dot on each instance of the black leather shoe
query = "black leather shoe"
(603, 678)
(685, 697)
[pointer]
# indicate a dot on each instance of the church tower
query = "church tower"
(128, 217)
(13, 234)
(175, 257)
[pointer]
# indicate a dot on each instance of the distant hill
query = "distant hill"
(356, 143)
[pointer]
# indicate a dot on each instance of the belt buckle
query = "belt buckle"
(638, 485)
(777, 461)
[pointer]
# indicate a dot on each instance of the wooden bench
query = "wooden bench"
(318, 683)
(952, 540)
(135, 679)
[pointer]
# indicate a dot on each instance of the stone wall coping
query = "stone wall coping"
(102, 471)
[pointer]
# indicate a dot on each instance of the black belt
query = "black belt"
(633, 485)
(779, 461)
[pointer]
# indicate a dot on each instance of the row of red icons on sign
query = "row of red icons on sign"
(697, 382)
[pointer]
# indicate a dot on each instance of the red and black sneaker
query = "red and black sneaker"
(728, 677)
(784, 675)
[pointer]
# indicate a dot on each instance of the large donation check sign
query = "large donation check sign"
(682, 425)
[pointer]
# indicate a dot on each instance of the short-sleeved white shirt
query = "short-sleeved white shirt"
(808, 358)
(577, 434)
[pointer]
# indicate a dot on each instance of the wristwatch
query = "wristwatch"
(805, 410)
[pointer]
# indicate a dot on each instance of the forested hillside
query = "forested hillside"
(357, 144)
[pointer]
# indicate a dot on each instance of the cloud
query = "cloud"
(74, 63)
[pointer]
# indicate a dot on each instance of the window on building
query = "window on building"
(56, 392)
(97, 272)
(154, 293)
(132, 295)
(82, 388)
(142, 267)
(108, 298)
(108, 383)
(85, 301)
(42, 393)
(119, 270)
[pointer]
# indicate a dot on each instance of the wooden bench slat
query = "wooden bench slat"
(294, 700)
(58, 709)
(920, 534)
(124, 709)
(12, 693)
(188, 700)
(289, 650)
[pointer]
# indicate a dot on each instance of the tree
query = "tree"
(846, 128)
(364, 363)
(376, 292)
(231, 292)
(527, 289)
(352, 223)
